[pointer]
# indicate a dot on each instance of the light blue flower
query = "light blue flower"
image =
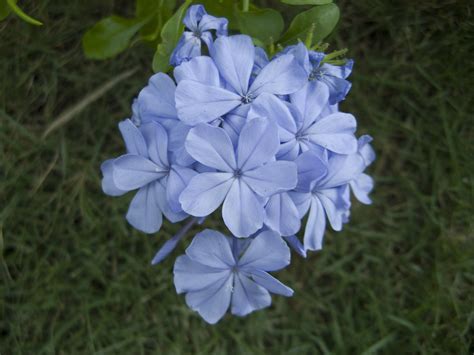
(198, 29)
(243, 177)
(303, 124)
(218, 272)
(228, 85)
(146, 167)
(329, 197)
(333, 76)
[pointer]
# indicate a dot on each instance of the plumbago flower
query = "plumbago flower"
(199, 26)
(260, 139)
(218, 272)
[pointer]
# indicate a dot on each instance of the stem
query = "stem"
(245, 6)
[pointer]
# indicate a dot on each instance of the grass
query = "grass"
(398, 280)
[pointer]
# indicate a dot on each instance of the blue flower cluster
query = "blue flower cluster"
(263, 139)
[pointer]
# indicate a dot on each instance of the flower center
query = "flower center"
(247, 98)
(237, 173)
(316, 74)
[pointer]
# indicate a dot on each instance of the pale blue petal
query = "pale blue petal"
(248, 296)
(157, 142)
(209, 22)
(288, 150)
(205, 193)
(190, 275)
(167, 248)
(271, 107)
(242, 212)
(282, 76)
(108, 184)
(338, 88)
(258, 143)
(193, 15)
(211, 303)
(296, 245)
(233, 124)
(315, 226)
(201, 69)
(302, 201)
(334, 206)
(134, 141)
(366, 150)
(361, 187)
(131, 172)
(144, 213)
(211, 146)
(311, 168)
(234, 56)
(157, 100)
(260, 61)
(335, 133)
(161, 199)
(339, 71)
(178, 178)
(281, 215)
(310, 101)
(300, 52)
(272, 178)
(177, 136)
(267, 252)
(211, 248)
(271, 284)
(341, 170)
(188, 47)
(199, 103)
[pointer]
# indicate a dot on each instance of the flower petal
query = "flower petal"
(273, 108)
(134, 141)
(211, 248)
(361, 187)
(108, 184)
(248, 296)
(162, 200)
(205, 193)
(311, 168)
(157, 142)
(219, 24)
(270, 283)
(211, 146)
(157, 100)
(281, 215)
(234, 56)
(334, 205)
(310, 101)
(267, 252)
(178, 178)
(201, 69)
(242, 212)
(199, 103)
(272, 178)
(131, 172)
(315, 226)
(282, 76)
(296, 245)
(188, 47)
(335, 132)
(144, 213)
(258, 143)
(190, 275)
(212, 302)
(193, 16)
(341, 170)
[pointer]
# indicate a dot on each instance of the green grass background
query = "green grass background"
(75, 278)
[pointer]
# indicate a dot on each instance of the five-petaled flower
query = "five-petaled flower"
(217, 272)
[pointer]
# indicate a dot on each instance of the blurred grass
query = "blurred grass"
(398, 280)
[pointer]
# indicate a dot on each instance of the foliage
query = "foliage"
(114, 34)
(8, 6)
(75, 279)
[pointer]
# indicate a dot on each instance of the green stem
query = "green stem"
(245, 6)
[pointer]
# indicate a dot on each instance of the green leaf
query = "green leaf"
(170, 34)
(110, 36)
(158, 11)
(264, 24)
(322, 18)
(307, 2)
(4, 9)
(19, 12)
